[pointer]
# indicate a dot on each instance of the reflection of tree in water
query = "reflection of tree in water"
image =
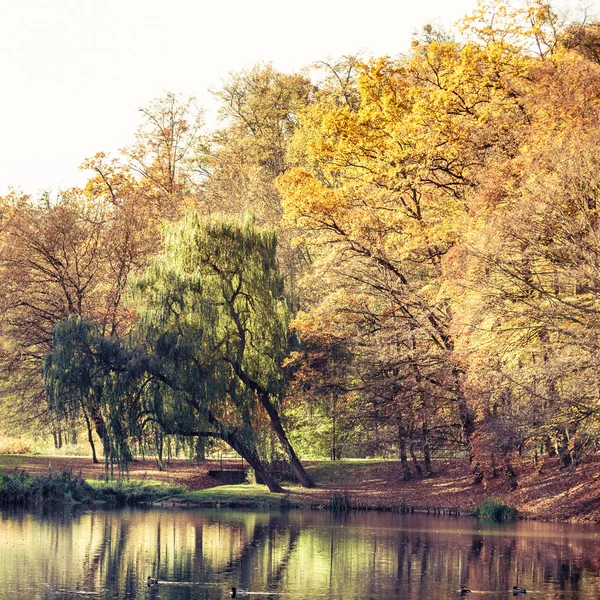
(310, 554)
(488, 561)
(273, 543)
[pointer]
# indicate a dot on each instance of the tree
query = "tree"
(527, 288)
(53, 266)
(168, 153)
(211, 339)
(259, 109)
(385, 189)
(159, 174)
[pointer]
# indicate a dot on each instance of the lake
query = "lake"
(65, 552)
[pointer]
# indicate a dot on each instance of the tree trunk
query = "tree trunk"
(548, 446)
(99, 423)
(200, 454)
(509, 474)
(467, 421)
(406, 474)
(295, 464)
(562, 449)
(91, 438)
(265, 400)
(158, 440)
(426, 452)
(252, 459)
(413, 456)
(333, 429)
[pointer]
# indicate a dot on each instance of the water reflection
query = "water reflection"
(65, 553)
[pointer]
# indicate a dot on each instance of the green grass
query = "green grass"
(496, 510)
(248, 495)
(132, 491)
(335, 472)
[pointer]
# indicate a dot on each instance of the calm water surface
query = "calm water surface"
(72, 554)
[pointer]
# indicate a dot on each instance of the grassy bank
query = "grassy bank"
(256, 496)
(20, 487)
(247, 496)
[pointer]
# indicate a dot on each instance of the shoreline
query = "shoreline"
(544, 492)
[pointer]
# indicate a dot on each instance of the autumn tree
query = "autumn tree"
(76, 254)
(527, 293)
(52, 266)
(387, 186)
(168, 152)
(258, 115)
(382, 195)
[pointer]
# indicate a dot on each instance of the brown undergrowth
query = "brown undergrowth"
(552, 494)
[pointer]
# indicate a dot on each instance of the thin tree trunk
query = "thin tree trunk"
(562, 449)
(467, 420)
(413, 456)
(333, 429)
(426, 451)
(158, 440)
(509, 474)
(406, 474)
(91, 438)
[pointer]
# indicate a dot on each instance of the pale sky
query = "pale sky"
(75, 72)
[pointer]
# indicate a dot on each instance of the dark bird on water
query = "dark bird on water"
(518, 590)
(152, 581)
(463, 591)
(234, 593)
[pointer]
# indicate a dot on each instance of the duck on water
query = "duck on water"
(516, 590)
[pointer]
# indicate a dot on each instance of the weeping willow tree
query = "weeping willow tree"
(83, 376)
(206, 356)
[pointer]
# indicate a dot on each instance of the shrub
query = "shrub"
(14, 445)
(22, 488)
(496, 510)
(340, 502)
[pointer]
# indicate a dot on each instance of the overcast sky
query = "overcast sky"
(75, 72)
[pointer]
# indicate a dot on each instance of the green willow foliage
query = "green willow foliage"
(205, 358)
(211, 301)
